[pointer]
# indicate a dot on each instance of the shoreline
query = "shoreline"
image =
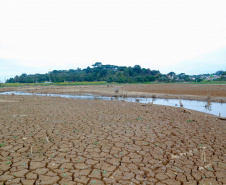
(211, 93)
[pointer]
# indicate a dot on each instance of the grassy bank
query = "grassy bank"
(98, 83)
(203, 82)
(49, 84)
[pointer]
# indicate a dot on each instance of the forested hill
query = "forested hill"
(112, 73)
(97, 72)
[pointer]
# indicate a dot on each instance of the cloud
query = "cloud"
(48, 34)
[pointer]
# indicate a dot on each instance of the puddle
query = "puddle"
(211, 108)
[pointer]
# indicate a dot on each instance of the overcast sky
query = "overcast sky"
(37, 36)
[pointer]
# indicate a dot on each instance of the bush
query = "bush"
(199, 80)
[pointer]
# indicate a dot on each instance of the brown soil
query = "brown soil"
(47, 140)
(215, 93)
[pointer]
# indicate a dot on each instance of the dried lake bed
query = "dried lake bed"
(54, 140)
(48, 139)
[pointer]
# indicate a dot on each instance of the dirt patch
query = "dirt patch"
(7, 101)
(64, 141)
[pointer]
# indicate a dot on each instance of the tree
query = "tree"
(186, 78)
(155, 72)
(199, 80)
(171, 74)
(181, 75)
(137, 69)
(103, 73)
(11, 80)
(88, 69)
(219, 72)
(97, 64)
(224, 73)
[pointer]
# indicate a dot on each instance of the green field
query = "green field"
(207, 82)
(203, 82)
(98, 83)
(49, 84)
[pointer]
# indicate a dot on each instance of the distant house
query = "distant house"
(212, 77)
(46, 82)
(170, 77)
(216, 76)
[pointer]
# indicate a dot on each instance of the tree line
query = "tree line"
(99, 72)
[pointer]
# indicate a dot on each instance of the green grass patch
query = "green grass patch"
(100, 83)
(52, 84)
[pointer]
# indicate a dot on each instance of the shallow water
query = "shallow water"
(212, 108)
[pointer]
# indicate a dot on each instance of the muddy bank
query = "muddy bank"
(46, 140)
(213, 93)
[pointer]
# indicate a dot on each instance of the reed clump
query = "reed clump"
(153, 96)
(117, 90)
(208, 98)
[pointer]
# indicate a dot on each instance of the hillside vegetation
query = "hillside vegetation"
(112, 73)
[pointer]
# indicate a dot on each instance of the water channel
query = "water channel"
(211, 108)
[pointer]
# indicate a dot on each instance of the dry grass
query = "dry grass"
(117, 90)
(7, 101)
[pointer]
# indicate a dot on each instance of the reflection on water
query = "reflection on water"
(153, 99)
(207, 107)
(166, 99)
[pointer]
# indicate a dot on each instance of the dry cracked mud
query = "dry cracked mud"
(52, 140)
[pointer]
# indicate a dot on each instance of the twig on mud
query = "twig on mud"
(208, 98)
(181, 104)
(222, 118)
(203, 154)
(150, 104)
(47, 139)
(124, 94)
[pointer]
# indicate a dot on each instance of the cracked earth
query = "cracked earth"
(47, 140)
